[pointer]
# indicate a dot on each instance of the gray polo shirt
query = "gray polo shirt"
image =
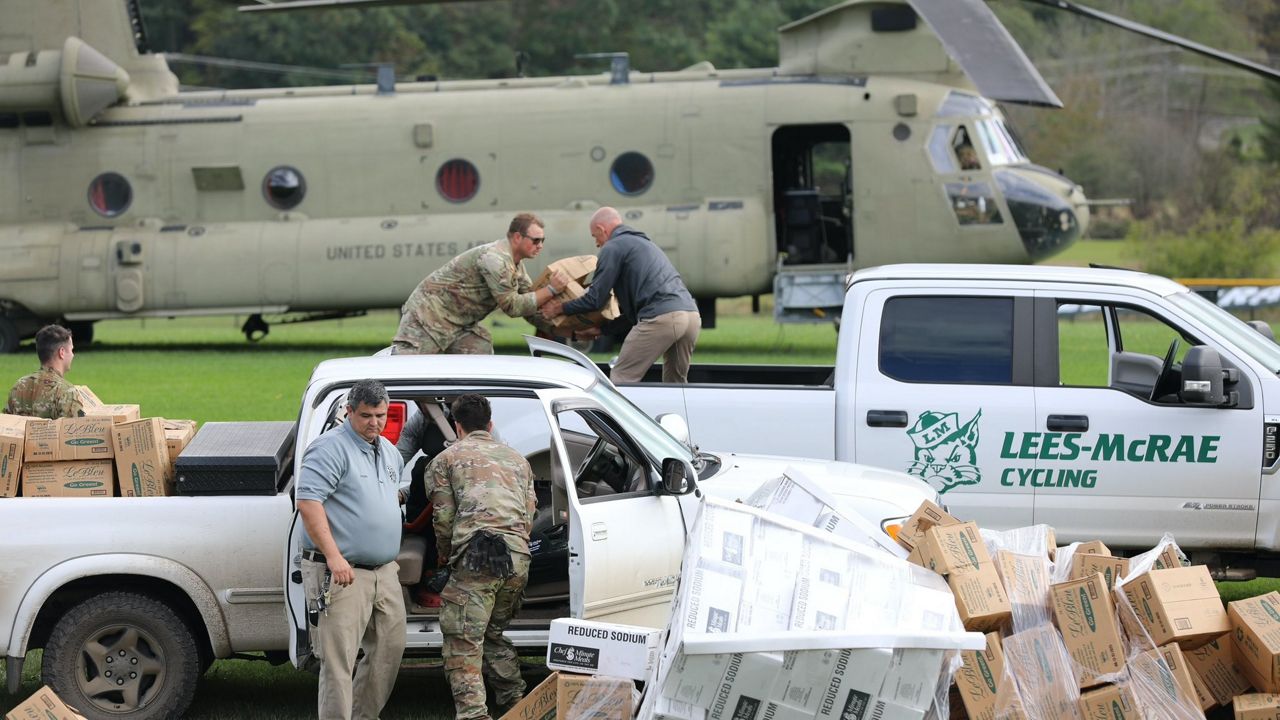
(358, 484)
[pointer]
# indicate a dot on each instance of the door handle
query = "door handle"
(1069, 423)
(887, 418)
(599, 531)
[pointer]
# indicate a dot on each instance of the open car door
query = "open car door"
(626, 533)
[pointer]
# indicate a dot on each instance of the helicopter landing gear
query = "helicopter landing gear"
(255, 328)
(9, 337)
(81, 333)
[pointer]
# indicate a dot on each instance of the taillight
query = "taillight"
(396, 412)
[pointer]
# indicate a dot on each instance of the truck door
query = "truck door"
(1114, 442)
(942, 377)
(626, 539)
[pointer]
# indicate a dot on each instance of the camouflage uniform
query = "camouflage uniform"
(443, 313)
(44, 394)
(480, 484)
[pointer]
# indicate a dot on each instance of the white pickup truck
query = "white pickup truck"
(1107, 403)
(133, 598)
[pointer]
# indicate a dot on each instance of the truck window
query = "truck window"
(1090, 354)
(948, 339)
(605, 463)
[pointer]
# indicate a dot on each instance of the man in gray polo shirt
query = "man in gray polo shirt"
(651, 296)
(348, 498)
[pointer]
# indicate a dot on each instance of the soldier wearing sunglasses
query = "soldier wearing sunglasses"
(443, 313)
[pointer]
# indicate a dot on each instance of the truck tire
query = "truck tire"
(123, 656)
(8, 336)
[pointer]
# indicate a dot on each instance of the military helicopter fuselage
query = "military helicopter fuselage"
(338, 199)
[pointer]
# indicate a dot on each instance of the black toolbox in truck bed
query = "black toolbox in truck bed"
(236, 458)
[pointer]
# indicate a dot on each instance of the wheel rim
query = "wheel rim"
(120, 668)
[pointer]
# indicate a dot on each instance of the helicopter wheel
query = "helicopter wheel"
(255, 328)
(9, 338)
(81, 333)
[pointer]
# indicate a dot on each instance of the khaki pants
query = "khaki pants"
(670, 336)
(369, 614)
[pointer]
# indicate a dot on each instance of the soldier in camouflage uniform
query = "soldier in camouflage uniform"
(482, 491)
(46, 393)
(443, 313)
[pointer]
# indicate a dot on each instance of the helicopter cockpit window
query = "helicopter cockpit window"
(974, 203)
(631, 173)
(1002, 148)
(966, 153)
(458, 180)
(940, 150)
(110, 194)
(284, 187)
(960, 104)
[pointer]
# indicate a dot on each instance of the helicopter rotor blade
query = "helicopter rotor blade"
(989, 55)
(1264, 71)
(287, 5)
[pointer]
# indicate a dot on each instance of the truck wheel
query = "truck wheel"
(8, 336)
(123, 656)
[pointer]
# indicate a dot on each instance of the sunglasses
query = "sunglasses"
(536, 240)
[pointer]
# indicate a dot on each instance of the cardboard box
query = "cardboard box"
(43, 705)
(1215, 667)
(142, 459)
(1256, 706)
(1109, 702)
(980, 599)
(76, 478)
(1169, 558)
(1026, 582)
(41, 442)
(1046, 687)
(598, 648)
(1180, 670)
(120, 413)
(925, 517)
(177, 435)
(978, 679)
(64, 439)
(85, 438)
(1112, 568)
(1203, 696)
(576, 697)
(1178, 605)
(1093, 547)
(1255, 639)
(945, 549)
(1090, 630)
(88, 401)
(578, 268)
(13, 439)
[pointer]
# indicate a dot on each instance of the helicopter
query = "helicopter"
(122, 196)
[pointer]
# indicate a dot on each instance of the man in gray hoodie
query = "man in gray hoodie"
(651, 296)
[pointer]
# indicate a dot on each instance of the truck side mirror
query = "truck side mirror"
(1264, 329)
(677, 476)
(676, 426)
(1203, 377)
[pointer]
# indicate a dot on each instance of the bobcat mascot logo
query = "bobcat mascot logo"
(946, 451)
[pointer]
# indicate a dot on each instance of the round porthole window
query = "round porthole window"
(631, 173)
(284, 187)
(457, 180)
(110, 194)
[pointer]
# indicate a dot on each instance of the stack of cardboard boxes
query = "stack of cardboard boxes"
(108, 452)
(578, 268)
(1099, 643)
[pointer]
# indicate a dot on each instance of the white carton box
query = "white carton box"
(713, 603)
(744, 689)
(596, 648)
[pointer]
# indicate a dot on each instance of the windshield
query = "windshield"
(999, 142)
(642, 428)
(1230, 327)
